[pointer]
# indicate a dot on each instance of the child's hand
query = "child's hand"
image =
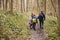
(29, 23)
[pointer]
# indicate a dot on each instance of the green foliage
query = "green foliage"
(51, 27)
(15, 25)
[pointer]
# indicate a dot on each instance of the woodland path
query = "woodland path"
(39, 34)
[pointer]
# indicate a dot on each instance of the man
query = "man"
(41, 18)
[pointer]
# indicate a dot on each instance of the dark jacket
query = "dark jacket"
(41, 17)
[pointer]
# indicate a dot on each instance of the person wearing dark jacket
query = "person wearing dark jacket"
(41, 18)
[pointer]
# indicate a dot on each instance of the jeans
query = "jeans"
(41, 24)
(34, 25)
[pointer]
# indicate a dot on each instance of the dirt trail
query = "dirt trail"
(39, 34)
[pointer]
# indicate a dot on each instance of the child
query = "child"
(34, 21)
(30, 23)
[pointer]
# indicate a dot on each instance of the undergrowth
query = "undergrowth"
(51, 27)
(14, 26)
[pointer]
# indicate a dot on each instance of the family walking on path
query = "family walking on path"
(34, 20)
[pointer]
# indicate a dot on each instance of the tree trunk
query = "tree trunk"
(53, 2)
(27, 6)
(38, 7)
(45, 6)
(6, 4)
(3, 4)
(21, 6)
(16, 4)
(0, 4)
(11, 6)
(59, 17)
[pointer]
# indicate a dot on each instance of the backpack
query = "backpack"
(34, 20)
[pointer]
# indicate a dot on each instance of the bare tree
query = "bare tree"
(59, 17)
(11, 6)
(38, 7)
(0, 4)
(21, 6)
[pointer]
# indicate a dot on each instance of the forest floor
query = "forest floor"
(39, 34)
